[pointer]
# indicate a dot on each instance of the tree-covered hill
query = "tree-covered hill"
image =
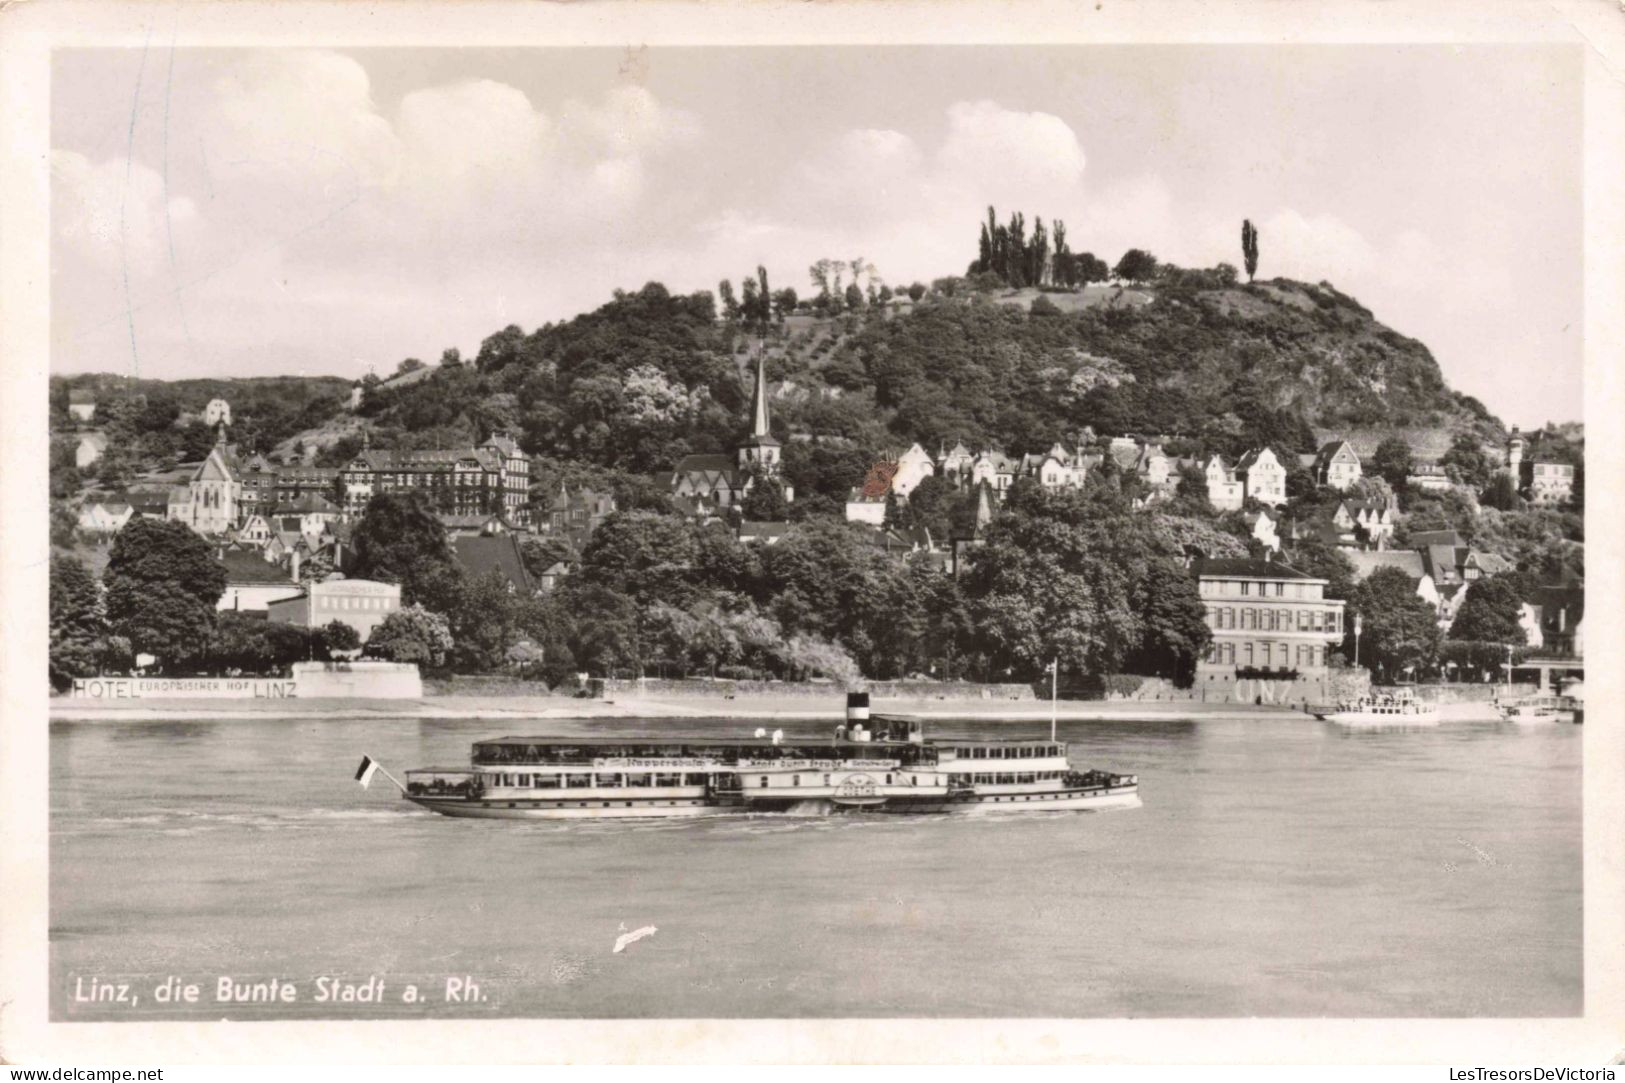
(651, 376)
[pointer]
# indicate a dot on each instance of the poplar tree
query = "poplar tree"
(1249, 247)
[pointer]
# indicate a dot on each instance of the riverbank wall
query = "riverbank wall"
(950, 691)
(306, 680)
(1444, 694)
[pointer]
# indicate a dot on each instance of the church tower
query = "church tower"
(759, 449)
(1515, 449)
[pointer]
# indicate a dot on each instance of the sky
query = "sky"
(243, 213)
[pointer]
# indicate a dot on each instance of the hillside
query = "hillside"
(651, 376)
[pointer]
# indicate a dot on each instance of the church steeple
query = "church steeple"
(758, 405)
(759, 450)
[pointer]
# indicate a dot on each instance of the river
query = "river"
(1277, 868)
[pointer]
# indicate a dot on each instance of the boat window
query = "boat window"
(764, 780)
(547, 782)
(640, 779)
(826, 780)
(795, 780)
(694, 780)
(577, 781)
(668, 780)
(888, 780)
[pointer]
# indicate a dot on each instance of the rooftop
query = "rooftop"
(1248, 568)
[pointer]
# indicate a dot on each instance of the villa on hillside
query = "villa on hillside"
(1336, 466)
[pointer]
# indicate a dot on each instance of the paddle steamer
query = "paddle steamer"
(885, 767)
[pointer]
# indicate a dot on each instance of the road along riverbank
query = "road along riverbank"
(765, 708)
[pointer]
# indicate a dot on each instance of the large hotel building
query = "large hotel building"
(1269, 622)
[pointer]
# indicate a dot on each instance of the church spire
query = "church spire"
(758, 406)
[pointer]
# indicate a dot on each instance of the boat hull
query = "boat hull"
(976, 804)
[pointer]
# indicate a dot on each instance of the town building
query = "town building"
(1270, 623)
(310, 514)
(1562, 615)
(721, 481)
(574, 517)
(1336, 466)
(552, 576)
(105, 516)
(82, 404)
(256, 532)
(1364, 523)
(477, 523)
(363, 604)
(493, 477)
(962, 546)
(1409, 561)
(1429, 477)
(1264, 527)
(217, 413)
(90, 447)
(898, 474)
(1263, 477)
(211, 501)
(252, 584)
(482, 554)
(1550, 482)
(752, 533)
(1225, 491)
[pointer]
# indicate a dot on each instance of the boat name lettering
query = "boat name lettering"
(623, 761)
(821, 765)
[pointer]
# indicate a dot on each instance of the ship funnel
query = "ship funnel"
(857, 706)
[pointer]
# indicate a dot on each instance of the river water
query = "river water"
(1277, 868)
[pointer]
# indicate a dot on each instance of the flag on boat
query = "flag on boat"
(364, 773)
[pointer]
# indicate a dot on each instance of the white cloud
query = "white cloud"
(113, 213)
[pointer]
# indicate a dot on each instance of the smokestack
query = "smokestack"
(857, 707)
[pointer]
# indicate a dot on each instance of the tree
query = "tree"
(399, 540)
(1467, 460)
(765, 502)
(1089, 268)
(1313, 554)
(730, 303)
(78, 622)
(338, 636)
(1175, 633)
(541, 553)
(1249, 247)
(1399, 631)
(1137, 265)
(643, 555)
(854, 297)
(1490, 612)
(1391, 461)
(1501, 493)
(484, 623)
(163, 584)
(916, 291)
(412, 634)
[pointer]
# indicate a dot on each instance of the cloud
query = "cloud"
(112, 214)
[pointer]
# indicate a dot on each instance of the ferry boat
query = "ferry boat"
(1392, 709)
(891, 768)
(1539, 709)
